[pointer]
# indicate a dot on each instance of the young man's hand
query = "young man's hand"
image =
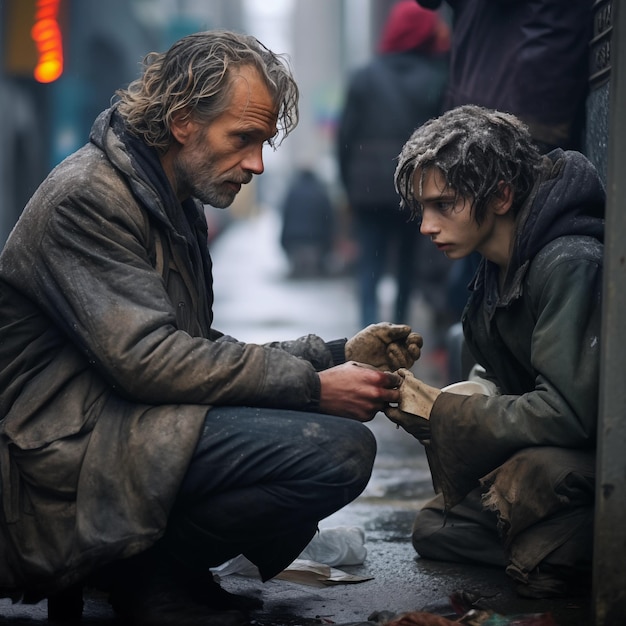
(415, 405)
(385, 346)
(415, 425)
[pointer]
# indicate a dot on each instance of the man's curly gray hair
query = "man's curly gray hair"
(476, 149)
(195, 74)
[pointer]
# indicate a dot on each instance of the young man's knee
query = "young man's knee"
(426, 525)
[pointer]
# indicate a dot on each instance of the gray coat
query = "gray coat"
(109, 363)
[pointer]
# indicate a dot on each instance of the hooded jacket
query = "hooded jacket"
(109, 362)
(538, 340)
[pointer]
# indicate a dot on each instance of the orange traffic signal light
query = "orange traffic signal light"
(46, 34)
(34, 39)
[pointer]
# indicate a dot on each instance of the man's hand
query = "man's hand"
(415, 405)
(357, 391)
(386, 346)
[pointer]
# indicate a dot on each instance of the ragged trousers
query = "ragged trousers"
(536, 509)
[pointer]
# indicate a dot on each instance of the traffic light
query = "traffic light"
(33, 38)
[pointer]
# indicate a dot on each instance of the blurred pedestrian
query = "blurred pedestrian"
(526, 57)
(139, 446)
(399, 89)
(512, 458)
(308, 225)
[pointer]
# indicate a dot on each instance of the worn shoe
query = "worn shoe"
(547, 583)
(542, 586)
(170, 609)
(150, 591)
(67, 605)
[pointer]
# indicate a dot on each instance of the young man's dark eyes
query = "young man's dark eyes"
(444, 206)
(441, 206)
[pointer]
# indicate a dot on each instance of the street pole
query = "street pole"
(609, 567)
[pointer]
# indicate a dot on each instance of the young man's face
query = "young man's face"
(449, 221)
(218, 158)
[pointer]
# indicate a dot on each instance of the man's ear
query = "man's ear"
(182, 126)
(503, 200)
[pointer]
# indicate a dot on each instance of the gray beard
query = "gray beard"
(217, 199)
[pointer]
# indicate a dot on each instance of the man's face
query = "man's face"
(448, 220)
(218, 158)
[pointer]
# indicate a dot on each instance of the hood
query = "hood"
(411, 27)
(569, 199)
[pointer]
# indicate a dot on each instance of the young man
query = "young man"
(514, 466)
(138, 445)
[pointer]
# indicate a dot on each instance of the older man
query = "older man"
(515, 461)
(139, 446)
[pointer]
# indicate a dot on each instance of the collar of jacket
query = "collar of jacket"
(484, 289)
(141, 166)
(486, 279)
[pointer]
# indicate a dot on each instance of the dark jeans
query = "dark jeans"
(261, 480)
(384, 238)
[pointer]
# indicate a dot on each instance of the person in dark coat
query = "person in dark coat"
(386, 100)
(308, 224)
(140, 446)
(512, 451)
(525, 57)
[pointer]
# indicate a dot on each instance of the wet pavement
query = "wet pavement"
(256, 301)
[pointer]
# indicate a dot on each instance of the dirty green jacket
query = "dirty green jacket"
(538, 339)
(109, 363)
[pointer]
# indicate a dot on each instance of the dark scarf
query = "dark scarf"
(189, 222)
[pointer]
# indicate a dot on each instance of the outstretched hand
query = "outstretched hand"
(385, 346)
(415, 405)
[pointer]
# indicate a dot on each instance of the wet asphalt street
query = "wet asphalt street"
(256, 301)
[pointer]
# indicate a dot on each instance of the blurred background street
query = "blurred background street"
(257, 299)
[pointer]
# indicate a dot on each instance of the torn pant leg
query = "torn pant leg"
(261, 480)
(535, 516)
(467, 534)
(543, 570)
(544, 500)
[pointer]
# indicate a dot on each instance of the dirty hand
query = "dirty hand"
(414, 407)
(357, 391)
(386, 346)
